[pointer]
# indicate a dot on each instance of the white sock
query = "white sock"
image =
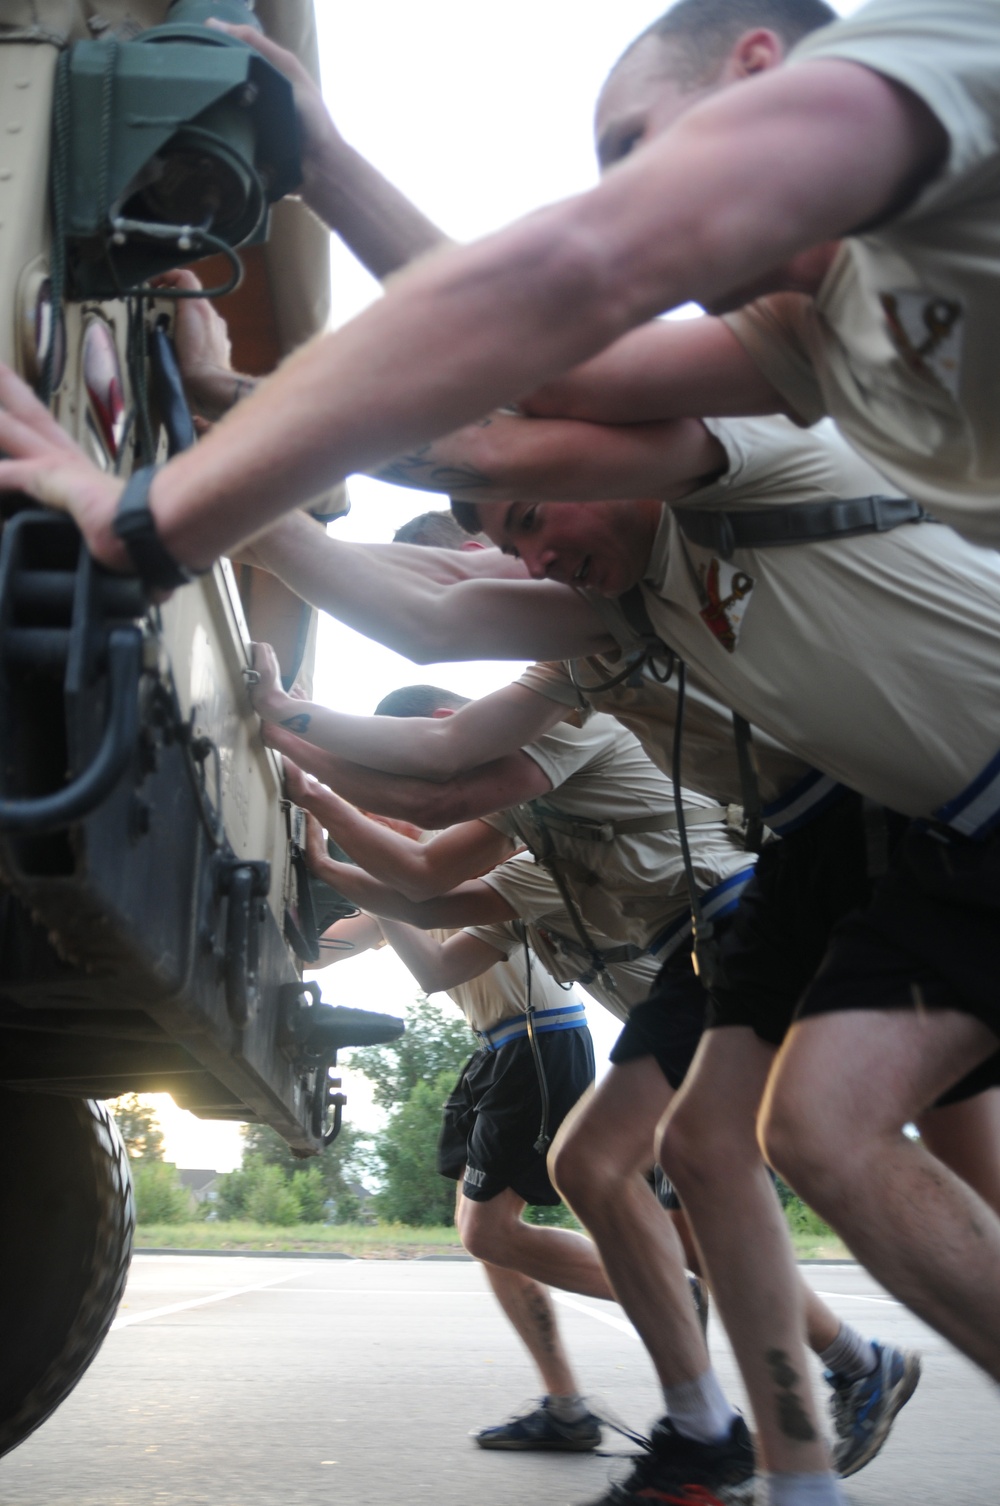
(803, 1490)
(570, 1408)
(698, 1409)
(850, 1354)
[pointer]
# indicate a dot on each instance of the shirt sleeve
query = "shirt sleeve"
(566, 750)
(948, 55)
(554, 683)
(499, 937)
(528, 888)
(774, 333)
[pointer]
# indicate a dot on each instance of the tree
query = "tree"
(435, 1042)
(138, 1126)
(414, 1191)
(272, 1199)
(159, 1196)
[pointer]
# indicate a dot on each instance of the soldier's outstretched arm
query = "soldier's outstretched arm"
(470, 904)
(419, 617)
(428, 803)
(690, 216)
(422, 747)
(377, 222)
(442, 964)
(418, 870)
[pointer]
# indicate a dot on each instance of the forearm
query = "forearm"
(377, 222)
(418, 617)
(431, 805)
(462, 906)
(407, 866)
(438, 965)
(351, 938)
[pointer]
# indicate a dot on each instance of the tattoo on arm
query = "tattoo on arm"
(792, 1417)
(299, 724)
(242, 387)
(421, 468)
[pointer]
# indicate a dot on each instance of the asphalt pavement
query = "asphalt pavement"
(259, 1382)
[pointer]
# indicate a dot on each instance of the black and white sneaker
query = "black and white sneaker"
(539, 1429)
(677, 1471)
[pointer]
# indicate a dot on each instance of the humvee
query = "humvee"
(155, 910)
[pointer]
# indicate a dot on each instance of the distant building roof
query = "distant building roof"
(197, 1181)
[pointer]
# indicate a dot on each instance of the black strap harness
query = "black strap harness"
(796, 523)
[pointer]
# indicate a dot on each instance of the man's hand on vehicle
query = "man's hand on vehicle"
(320, 137)
(268, 697)
(46, 464)
(204, 354)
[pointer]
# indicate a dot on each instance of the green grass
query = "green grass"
(366, 1242)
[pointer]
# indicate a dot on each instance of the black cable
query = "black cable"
(702, 930)
(544, 1140)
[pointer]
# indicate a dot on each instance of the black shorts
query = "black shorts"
(930, 935)
(802, 886)
(668, 1025)
(492, 1118)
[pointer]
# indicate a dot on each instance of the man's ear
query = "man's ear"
(444, 711)
(470, 544)
(756, 51)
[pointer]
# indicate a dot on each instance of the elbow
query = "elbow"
(419, 887)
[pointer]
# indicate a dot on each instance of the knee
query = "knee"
(800, 1142)
(581, 1174)
(697, 1145)
(475, 1232)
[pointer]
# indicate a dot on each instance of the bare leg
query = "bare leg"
(598, 1161)
(709, 1150)
(497, 1235)
(966, 1137)
(532, 1315)
(838, 1137)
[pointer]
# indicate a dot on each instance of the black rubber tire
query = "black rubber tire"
(69, 1218)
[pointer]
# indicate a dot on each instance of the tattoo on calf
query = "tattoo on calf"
(541, 1313)
(299, 724)
(792, 1418)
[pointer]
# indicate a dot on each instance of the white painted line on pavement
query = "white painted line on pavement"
(621, 1324)
(850, 1297)
(179, 1307)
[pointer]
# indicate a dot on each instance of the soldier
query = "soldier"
(490, 1144)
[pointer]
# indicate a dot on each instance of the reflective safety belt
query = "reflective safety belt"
(796, 523)
(571, 1016)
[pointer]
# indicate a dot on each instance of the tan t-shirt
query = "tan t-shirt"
(501, 992)
(648, 709)
(530, 890)
(628, 888)
(876, 659)
(900, 344)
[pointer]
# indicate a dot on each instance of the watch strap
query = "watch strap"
(135, 525)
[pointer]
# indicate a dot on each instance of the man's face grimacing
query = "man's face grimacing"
(653, 86)
(602, 545)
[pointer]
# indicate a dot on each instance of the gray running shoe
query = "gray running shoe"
(864, 1410)
(539, 1430)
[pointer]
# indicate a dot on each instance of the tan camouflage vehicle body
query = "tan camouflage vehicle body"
(154, 922)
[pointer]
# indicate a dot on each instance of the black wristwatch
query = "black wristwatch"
(135, 526)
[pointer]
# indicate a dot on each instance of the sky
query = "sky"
(479, 113)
